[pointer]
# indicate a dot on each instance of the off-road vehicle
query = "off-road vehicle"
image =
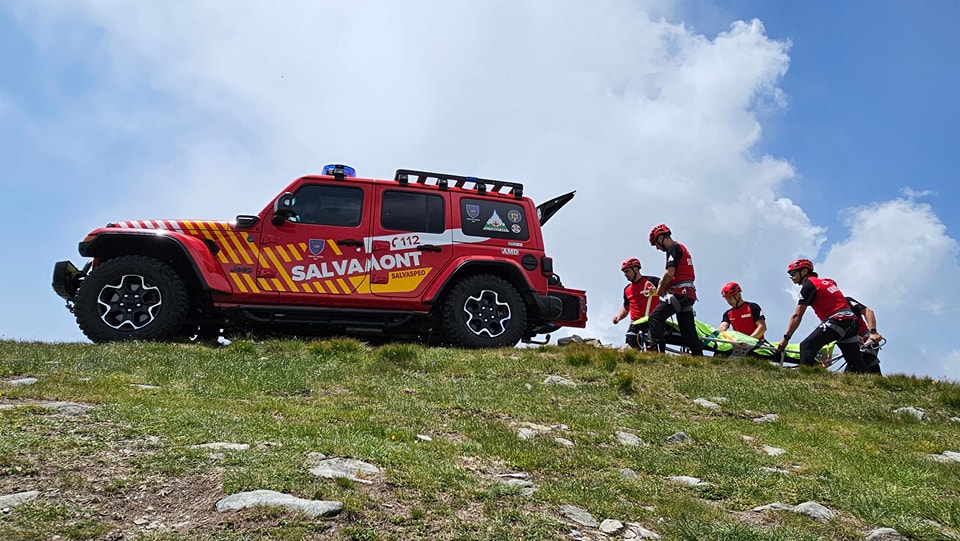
(427, 256)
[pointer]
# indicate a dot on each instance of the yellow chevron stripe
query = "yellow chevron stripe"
(277, 285)
(295, 254)
(255, 250)
(333, 246)
(282, 271)
(343, 285)
(286, 277)
(218, 236)
(239, 282)
(331, 287)
(221, 239)
(251, 283)
(236, 240)
(319, 287)
(283, 254)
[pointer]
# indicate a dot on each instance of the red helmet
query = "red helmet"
(661, 229)
(798, 264)
(630, 262)
(730, 288)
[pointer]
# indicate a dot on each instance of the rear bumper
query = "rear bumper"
(565, 307)
(66, 279)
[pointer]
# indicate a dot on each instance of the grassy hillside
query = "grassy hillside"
(443, 425)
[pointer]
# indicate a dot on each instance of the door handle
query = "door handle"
(429, 248)
(350, 242)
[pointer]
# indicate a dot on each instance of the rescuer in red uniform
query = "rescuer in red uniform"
(744, 317)
(639, 300)
(837, 320)
(677, 292)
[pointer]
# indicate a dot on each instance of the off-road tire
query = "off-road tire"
(483, 311)
(131, 298)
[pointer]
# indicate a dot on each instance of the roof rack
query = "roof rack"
(443, 180)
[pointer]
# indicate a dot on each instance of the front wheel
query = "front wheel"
(131, 298)
(483, 311)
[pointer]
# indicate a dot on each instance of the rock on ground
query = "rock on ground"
(886, 534)
(350, 468)
(814, 510)
(15, 499)
(579, 515)
(257, 498)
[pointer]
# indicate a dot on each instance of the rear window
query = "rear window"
(493, 219)
(410, 211)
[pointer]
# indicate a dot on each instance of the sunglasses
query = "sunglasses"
(793, 273)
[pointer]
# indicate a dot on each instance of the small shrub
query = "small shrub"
(85, 529)
(404, 356)
(609, 359)
(578, 358)
(950, 397)
(336, 347)
(624, 383)
(242, 346)
(344, 482)
(361, 533)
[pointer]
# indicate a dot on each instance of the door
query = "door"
(316, 257)
(410, 243)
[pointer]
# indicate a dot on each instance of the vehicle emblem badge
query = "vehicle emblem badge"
(316, 246)
(473, 211)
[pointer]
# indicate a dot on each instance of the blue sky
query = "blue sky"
(872, 98)
(760, 131)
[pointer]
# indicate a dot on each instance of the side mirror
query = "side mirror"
(282, 208)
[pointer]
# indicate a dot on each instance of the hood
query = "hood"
(181, 226)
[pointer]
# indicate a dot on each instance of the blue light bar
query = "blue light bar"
(336, 168)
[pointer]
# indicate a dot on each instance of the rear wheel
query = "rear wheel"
(483, 311)
(131, 298)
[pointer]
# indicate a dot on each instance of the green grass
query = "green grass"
(132, 455)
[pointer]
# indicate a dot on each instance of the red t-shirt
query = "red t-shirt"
(636, 301)
(824, 296)
(744, 318)
(679, 257)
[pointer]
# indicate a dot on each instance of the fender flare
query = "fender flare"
(474, 265)
(161, 244)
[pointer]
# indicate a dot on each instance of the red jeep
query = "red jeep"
(426, 256)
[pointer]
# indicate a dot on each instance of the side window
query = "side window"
(322, 204)
(493, 219)
(412, 211)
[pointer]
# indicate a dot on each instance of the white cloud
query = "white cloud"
(899, 260)
(916, 194)
(650, 121)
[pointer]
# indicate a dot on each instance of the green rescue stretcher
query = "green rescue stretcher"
(731, 343)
